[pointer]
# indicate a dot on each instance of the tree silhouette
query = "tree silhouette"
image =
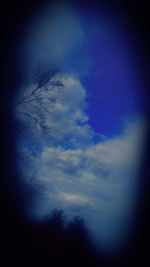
(56, 221)
(43, 74)
(77, 229)
(31, 109)
(33, 103)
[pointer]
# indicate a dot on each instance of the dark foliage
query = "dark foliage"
(54, 241)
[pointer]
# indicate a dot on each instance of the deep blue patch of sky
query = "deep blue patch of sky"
(114, 82)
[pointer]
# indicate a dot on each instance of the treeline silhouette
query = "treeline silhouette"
(57, 241)
(51, 242)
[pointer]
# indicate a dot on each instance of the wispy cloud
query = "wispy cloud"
(56, 38)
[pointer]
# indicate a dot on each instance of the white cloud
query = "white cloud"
(97, 181)
(72, 198)
(56, 122)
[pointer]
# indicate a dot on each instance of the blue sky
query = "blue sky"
(87, 156)
(114, 83)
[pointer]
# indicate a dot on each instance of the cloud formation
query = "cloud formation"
(96, 180)
(56, 147)
(55, 115)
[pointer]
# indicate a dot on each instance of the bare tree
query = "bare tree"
(33, 104)
(32, 109)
